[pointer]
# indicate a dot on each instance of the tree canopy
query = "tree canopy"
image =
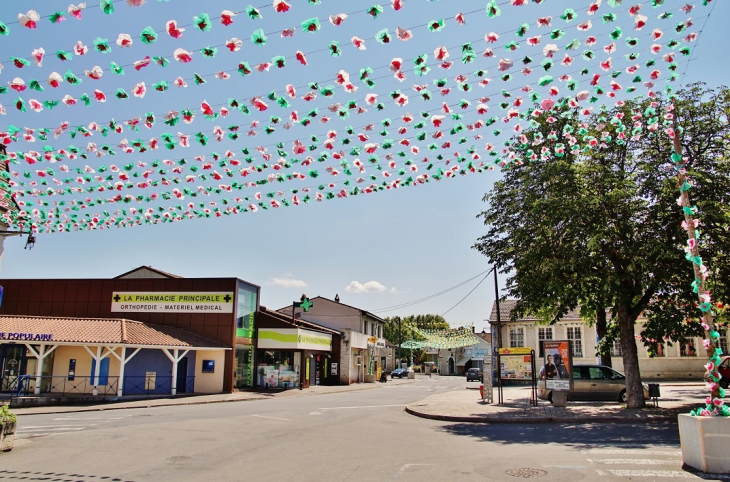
(587, 215)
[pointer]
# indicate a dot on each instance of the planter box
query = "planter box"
(705, 443)
(411, 375)
(369, 378)
(7, 437)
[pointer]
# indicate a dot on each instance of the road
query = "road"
(352, 436)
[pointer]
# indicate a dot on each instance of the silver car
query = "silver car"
(593, 383)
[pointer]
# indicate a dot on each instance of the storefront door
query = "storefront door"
(12, 362)
(182, 375)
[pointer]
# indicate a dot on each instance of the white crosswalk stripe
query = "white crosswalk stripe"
(634, 461)
(65, 425)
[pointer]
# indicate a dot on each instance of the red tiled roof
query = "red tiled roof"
(104, 331)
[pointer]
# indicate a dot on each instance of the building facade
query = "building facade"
(362, 342)
(222, 310)
(679, 361)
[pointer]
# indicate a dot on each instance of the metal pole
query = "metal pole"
(496, 300)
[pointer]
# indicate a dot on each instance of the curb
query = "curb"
(180, 404)
(530, 420)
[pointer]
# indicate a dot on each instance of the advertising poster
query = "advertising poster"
(557, 369)
(518, 365)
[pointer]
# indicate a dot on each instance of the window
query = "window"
(576, 337)
(542, 335)
(516, 337)
(616, 348)
(595, 373)
(688, 349)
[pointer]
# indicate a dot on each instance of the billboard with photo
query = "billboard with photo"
(516, 363)
(557, 365)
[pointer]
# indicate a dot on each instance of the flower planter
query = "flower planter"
(705, 443)
(369, 378)
(7, 436)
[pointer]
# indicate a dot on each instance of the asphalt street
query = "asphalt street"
(353, 436)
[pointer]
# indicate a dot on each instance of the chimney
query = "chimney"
(473, 329)
(337, 298)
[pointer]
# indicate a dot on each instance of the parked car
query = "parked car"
(724, 369)
(593, 383)
(474, 374)
(399, 373)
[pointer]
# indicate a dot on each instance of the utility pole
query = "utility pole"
(496, 300)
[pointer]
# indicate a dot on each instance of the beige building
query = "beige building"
(678, 361)
(358, 327)
(456, 361)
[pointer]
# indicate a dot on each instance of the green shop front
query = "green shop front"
(293, 353)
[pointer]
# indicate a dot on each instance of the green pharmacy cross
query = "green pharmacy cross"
(305, 304)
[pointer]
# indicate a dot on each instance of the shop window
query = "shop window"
(516, 337)
(542, 335)
(245, 311)
(242, 374)
(575, 335)
(276, 369)
(688, 349)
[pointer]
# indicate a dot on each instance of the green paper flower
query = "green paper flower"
(121, 94)
(253, 13)
(203, 22)
(258, 37)
(62, 55)
(335, 50)
(436, 25)
(569, 15)
(57, 17)
(608, 17)
(575, 44)
(616, 33)
(107, 6)
(71, 78)
(35, 85)
(102, 45)
(545, 80)
(148, 35)
(19, 62)
(375, 10)
(116, 68)
(279, 61)
(161, 86)
(161, 61)
(522, 30)
(493, 10)
(209, 52)
(85, 99)
(511, 46)
(244, 68)
(311, 25)
(557, 34)
(199, 80)
(4, 30)
(383, 36)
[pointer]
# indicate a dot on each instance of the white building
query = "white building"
(357, 327)
(678, 361)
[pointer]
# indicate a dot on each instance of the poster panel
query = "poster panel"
(557, 365)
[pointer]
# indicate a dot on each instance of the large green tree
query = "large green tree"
(586, 215)
(398, 330)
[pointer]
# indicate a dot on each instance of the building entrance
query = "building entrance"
(12, 361)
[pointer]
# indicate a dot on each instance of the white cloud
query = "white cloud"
(287, 281)
(369, 287)
(395, 291)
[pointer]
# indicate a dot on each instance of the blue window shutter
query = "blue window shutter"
(103, 371)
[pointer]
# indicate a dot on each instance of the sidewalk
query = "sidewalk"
(243, 396)
(466, 406)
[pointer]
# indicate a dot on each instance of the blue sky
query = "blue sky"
(375, 251)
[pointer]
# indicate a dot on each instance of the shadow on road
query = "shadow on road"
(577, 436)
(54, 476)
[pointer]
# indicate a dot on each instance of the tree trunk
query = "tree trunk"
(634, 388)
(601, 329)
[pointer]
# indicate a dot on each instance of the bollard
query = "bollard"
(481, 391)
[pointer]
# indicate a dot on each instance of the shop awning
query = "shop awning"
(462, 361)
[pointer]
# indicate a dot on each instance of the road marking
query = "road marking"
(51, 426)
(90, 418)
(272, 418)
(630, 452)
(363, 406)
(315, 413)
(671, 474)
(403, 469)
(35, 430)
(634, 461)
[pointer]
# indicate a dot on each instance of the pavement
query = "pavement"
(241, 396)
(467, 406)
(361, 435)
